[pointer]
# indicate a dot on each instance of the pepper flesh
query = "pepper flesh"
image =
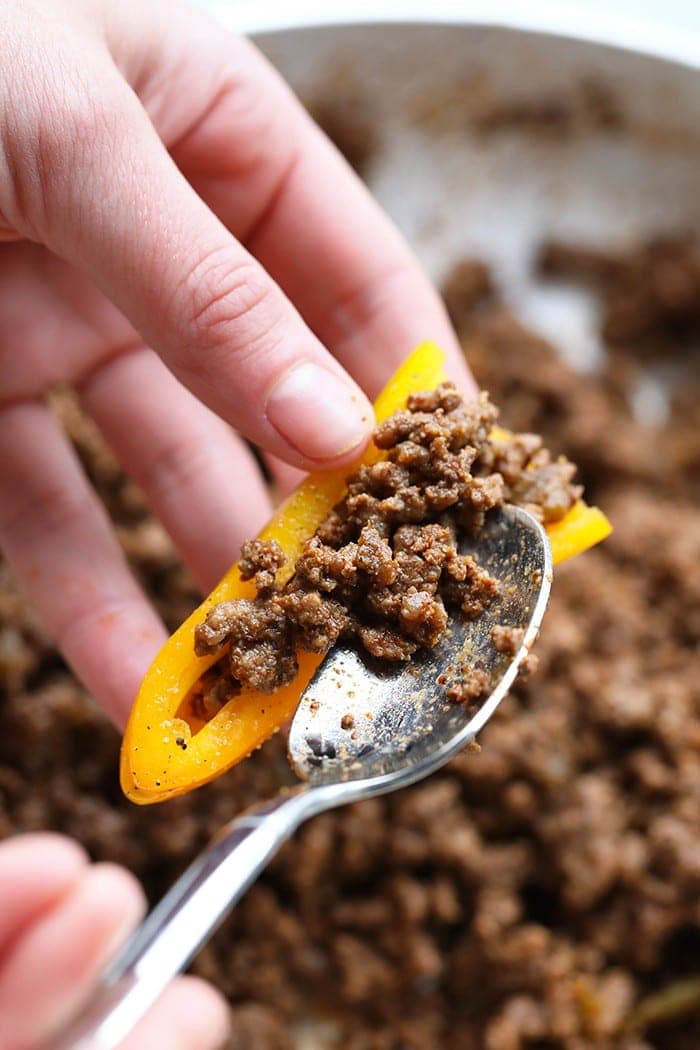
(165, 754)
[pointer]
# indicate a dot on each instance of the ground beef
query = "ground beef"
(542, 893)
(472, 684)
(260, 561)
(532, 478)
(544, 116)
(384, 568)
(507, 639)
(649, 293)
(589, 103)
(347, 119)
(259, 639)
(467, 287)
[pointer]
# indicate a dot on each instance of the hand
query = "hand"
(60, 920)
(187, 249)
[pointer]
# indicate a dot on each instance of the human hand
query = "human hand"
(60, 919)
(174, 220)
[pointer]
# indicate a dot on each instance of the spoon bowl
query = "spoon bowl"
(363, 718)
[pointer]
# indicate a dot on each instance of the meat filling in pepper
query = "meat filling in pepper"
(384, 567)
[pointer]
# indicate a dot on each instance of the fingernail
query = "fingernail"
(317, 412)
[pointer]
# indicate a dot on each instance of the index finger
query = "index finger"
(282, 188)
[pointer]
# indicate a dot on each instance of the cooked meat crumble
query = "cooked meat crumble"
(507, 639)
(649, 293)
(384, 567)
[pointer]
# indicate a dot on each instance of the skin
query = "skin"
(180, 243)
(56, 907)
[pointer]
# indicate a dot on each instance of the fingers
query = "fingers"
(58, 541)
(92, 180)
(350, 274)
(200, 479)
(36, 871)
(45, 976)
(284, 190)
(190, 1015)
(60, 921)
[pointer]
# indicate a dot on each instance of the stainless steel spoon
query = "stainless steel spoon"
(360, 730)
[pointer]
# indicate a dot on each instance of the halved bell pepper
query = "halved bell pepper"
(167, 750)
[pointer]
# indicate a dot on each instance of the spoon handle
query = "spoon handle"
(178, 926)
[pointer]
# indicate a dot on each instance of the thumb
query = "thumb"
(94, 183)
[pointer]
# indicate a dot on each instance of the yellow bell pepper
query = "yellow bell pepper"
(167, 750)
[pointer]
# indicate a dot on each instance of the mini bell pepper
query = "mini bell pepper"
(167, 750)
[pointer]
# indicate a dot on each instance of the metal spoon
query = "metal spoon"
(360, 730)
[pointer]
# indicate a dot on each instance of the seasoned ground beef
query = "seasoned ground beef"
(648, 293)
(346, 118)
(467, 287)
(384, 567)
(540, 894)
(507, 639)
